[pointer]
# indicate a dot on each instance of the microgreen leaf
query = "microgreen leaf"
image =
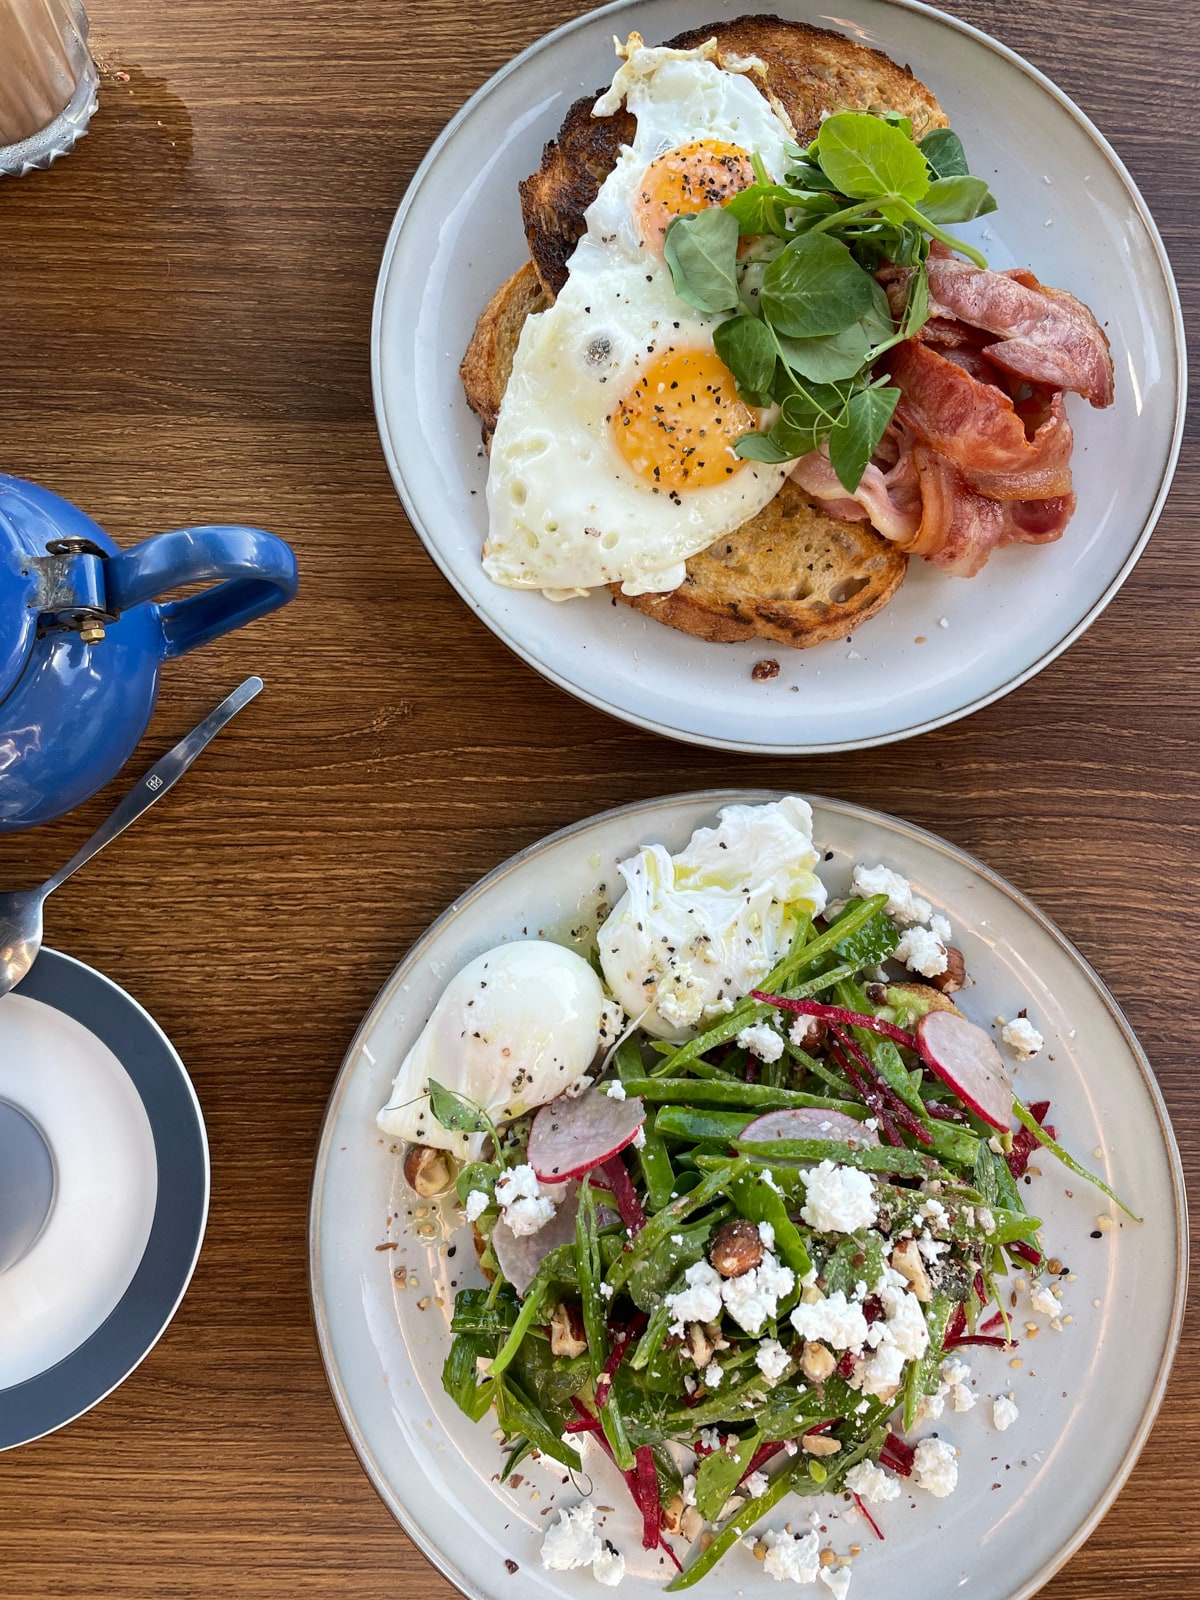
(761, 209)
(835, 357)
(761, 447)
(854, 440)
(701, 251)
(957, 199)
(867, 158)
(814, 287)
(746, 347)
(943, 150)
(456, 1112)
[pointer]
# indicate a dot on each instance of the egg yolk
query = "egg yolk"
(676, 427)
(691, 178)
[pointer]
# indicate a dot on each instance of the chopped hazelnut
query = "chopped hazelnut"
(906, 1260)
(567, 1335)
(427, 1171)
(690, 1524)
(736, 1248)
(673, 1514)
(817, 1363)
(697, 1345)
(819, 1444)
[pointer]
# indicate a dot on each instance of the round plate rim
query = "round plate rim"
(649, 723)
(715, 798)
(56, 980)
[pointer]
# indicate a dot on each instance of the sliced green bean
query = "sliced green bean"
(657, 1172)
(884, 1158)
(1027, 1118)
(761, 1096)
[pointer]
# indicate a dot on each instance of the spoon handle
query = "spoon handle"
(159, 779)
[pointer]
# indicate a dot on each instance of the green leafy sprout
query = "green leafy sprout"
(807, 319)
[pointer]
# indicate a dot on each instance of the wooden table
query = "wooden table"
(184, 312)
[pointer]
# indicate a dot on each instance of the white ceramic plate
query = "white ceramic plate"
(1067, 206)
(1087, 1396)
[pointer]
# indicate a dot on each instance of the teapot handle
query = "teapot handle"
(256, 573)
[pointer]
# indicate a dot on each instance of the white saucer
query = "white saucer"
(96, 1286)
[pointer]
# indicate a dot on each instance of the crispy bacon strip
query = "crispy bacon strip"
(1043, 335)
(976, 426)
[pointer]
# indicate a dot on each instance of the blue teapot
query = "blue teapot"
(81, 639)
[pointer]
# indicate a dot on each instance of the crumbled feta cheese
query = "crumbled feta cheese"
(572, 1541)
(524, 1207)
(718, 1008)
(883, 1371)
(1004, 1412)
(606, 1289)
(935, 1468)
(700, 1301)
(762, 1041)
(935, 1213)
(756, 1484)
(639, 1139)
(678, 997)
(902, 905)
(713, 1374)
(940, 927)
(477, 1204)
(930, 1407)
(689, 1483)
(712, 1439)
(838, 1199)
(837, 1580)
(922, 951)
(961, 1397)
(574, 1090)
(1022, 1038)
(767, 1234)
(985, 1219)
(753, 1298)
(872, 1484)
(608, 1567)
(616, 1090)
(834, 1320)
(1043, 1301)
(791, 1556)
(771, 1359)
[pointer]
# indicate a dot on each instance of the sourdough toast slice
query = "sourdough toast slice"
(808, 71)
(792, 574)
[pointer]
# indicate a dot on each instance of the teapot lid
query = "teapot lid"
(20, 582)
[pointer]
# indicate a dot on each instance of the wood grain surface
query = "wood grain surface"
(184, 314)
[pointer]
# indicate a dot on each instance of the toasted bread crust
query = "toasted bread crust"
(792, 574)
(487, 365)
(808, 71)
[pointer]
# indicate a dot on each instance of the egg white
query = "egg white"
(566, 513)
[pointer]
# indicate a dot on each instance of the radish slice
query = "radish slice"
(570, 1137)
(809, 1122)
(520, 1255)
(966, 1058)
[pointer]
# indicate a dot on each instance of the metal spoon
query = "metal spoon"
(26, 1184)
(21, 911)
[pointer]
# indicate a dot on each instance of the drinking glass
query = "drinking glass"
(47, 81)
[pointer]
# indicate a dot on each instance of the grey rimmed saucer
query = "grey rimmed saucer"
(104, 1184)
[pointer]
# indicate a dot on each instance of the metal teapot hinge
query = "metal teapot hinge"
(71, 595)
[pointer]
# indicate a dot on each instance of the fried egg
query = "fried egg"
(612, 459)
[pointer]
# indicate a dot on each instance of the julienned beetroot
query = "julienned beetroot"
(965, 1057)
